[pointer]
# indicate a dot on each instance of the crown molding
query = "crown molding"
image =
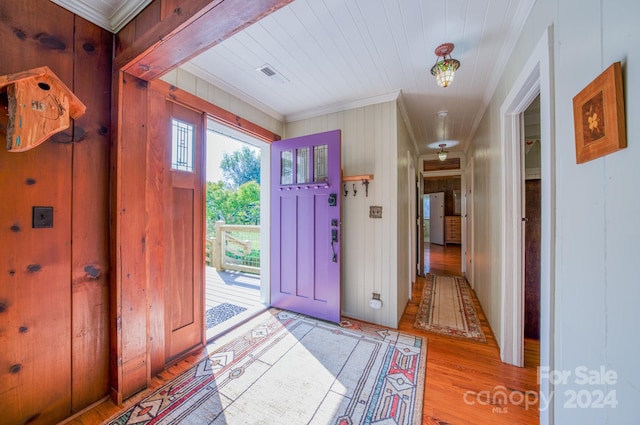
(344, 106)
(124, 13)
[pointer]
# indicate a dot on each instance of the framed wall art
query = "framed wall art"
(598, 115)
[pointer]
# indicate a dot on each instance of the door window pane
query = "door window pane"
(182, 146)
(302, 165)
(320, 163)
(286, 167)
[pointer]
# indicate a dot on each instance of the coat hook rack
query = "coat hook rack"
(346, 191)
(364, 178)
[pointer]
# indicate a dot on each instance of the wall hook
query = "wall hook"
(365, 183)
(354, 190)
(346, 192)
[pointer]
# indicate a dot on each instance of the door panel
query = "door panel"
(184, 260)
(305, 234)
(182, 248)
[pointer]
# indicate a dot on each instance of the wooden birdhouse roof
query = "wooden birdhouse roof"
(39, 105)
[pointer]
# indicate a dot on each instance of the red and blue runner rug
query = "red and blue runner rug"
(287, 368)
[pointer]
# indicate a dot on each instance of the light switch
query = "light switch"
(375, 211)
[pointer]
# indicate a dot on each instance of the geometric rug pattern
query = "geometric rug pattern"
(446, 307)
(288, 368)
(221, 313)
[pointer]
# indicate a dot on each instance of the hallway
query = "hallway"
(466, 382)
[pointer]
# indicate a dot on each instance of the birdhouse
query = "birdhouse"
(38, 105)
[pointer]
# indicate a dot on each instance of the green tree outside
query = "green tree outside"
(237, 199)
(240, 167)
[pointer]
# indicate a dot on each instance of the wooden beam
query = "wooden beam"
(215, 112)
(189, 31)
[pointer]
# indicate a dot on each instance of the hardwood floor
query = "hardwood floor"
(466, 383)
(440, 259)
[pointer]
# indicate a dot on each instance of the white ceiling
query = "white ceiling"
(337, 54)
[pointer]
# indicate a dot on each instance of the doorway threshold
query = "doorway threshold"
(228, 325)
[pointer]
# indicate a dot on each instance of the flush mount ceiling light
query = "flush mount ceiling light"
(445, 68)
(442, 154)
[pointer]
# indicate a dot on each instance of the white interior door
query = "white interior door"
(468, 214)
(436, 220)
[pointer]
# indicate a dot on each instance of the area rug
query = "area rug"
(446, 307)
(287, 368)
(221, 313)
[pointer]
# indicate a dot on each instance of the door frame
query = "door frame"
(213, 124)
(468, 230)
(159, 47)
(535, 77)
(447, 173)
(413, 224)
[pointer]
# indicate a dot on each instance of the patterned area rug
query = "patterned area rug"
(291, 369)
(221, 313)
(446, 307)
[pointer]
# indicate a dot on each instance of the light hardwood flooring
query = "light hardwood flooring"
(464, 379)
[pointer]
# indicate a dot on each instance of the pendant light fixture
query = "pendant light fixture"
(445, 68)
(442, 154)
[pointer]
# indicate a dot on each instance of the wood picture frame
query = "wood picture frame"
(598, 115)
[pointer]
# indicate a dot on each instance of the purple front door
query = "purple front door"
(305, 225)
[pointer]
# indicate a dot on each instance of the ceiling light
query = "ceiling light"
(445, 68)
(442, 155)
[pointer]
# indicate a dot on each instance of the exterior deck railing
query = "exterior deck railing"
(235, 247)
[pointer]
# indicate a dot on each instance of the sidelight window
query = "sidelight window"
(182, 146)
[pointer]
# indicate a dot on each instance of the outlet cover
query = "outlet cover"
(42, 217)
(375, 211)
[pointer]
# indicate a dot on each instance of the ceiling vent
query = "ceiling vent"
(272, 74)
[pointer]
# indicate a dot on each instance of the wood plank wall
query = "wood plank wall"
(54, 282)
(446, 185)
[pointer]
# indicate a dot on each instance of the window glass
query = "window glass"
(302, 165)
(320, 163)
(286, 167)
(182, 146)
